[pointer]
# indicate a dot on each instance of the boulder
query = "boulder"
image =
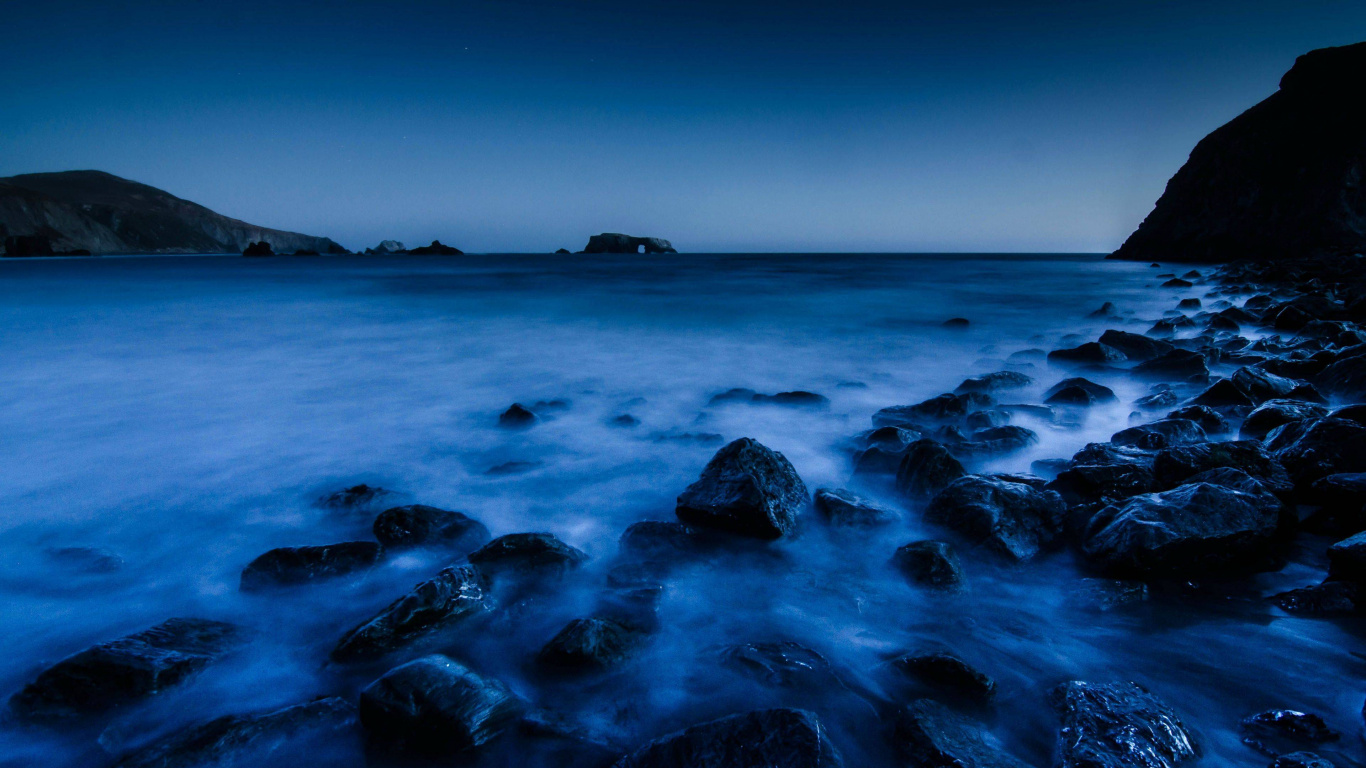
(517, 416)
(781, 664)
(1157, 435)
(526, 554)
(1092, 352)
(615, 242)
(1012, 519)
(945, 408)
(791, 738)
(1078, 391)
(745, 489)
(1329, 599)
(356, 497)
(995, 382)
(1342, 504)
(1175, 466)
(1135, 346)
(292, 566)
(1283, 730)
(1223, 394)
(995, 440)
(1274, 413)
(1209, 419)
(926, 733)
(1176, 365)
(437, 705)
(1311, 450)
(1118, 725)
(795, 399)
(123, 671)
(1262, 385)
(929, 564)
(244, 739)
(1300, 760)
(420, 525)
(1197, 528)
(843, 508)
(592, 643)
(1157, 401)
(1347, 559)
(1345, 378)
(1096, 483)
(455, 594)
(1105, 454)
(948, 674)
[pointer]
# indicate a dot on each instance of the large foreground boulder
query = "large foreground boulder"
(1012, 519)
(437, 705)
(123, 671)
(1176, 465)
(791, 738)
(1310, 450)
(929, 734)
(455, 594)
(1119, 725)
(746, 489)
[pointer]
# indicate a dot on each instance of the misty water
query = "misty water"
(186, 414)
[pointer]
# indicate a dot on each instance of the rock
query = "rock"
(782, 664)
(1347, 559)
(356, 497)
(928, 734)
(1061, 393)
(1093, 483)
(1196, 528)
(1091, 352)
(1157, 401)
(1281, 730)
(1175, 466)
(995, 382)
(797, 399)
(1157, 435)
(508, 468)
(420, 525)
(1223, 394)
(1209, 419)
(844, 508)
(387, 247)
(1188, 304)
(745, 489)
(243, 739)
(1176, 365)
(306, 252)
(1168, 326)
(791, 738)
(1310, 450)
(947, 673)
(958, 323)
(517, 416)
(1177, 282)
(455, 594)
(595, 643)
(562, 252)
(1273, 413)
(1331, 598)
(1118, 725)
(941, 409)
(1342, 504)
(614, 242)
(28, 245)
(1012, 519)
(86, 559)
(929, 564)
(1300, 760)
(1345, 378)
(1105, 595)
(523, 554)
(1262, 385)
(659, 539)
(292, 566)
(437, 705)
(625, 420)
(123, 671)
(258, 249)
(1277, 180)
(436, 249)
(1106, 310)
(1102, 454)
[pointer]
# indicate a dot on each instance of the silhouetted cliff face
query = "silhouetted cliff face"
(1285, 178)
(613, 242)
(102, 213)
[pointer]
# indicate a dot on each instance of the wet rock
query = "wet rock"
(980, 420)
(1157, 435)
(625, 420)
(926, 733)
(1355, 413)
(524, 554)
(517, 416)
(1104, 454)
(1118, 725)
(1347, 559)
(1209, 419)
(1175, 466)
(1093, 483)
(929, 564)
(941, 409)
(1342, 504)
(1106, 310)
(1262, 385)
(784, 664)
(1078, 391)
(947, 673)
(995, 382)
(1176, 365)
(292, 566)
(1012, 519)
(1196, 528)
(1300, 760)
(1283, 730)
(87, 559)
(356, 497)
(995, 440)
(123, 671)
(1223, 394)
(1177, 282)
(1168, 326)
(509, 468)
(1135, 347)
(1188, 304)
(1157, 401)
(1331, 598)
(437, 705)
(1092, 352)
(791, 738)
(243, 739)
(745, 489)
(843, 508)
(1273, 413)
(1345, 378)
(662, 540)
(454, 595)
(958, 323)
(421, 525)
(1311, 450)
(593, 643)
(797, 399)
(1105, 595)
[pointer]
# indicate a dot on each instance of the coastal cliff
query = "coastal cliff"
(1283, 179)
(97, 212)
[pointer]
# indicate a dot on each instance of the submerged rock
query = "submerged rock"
(292, 566)
(946, 408)
(930, 564)
(995, 382)
(123, 671)
(1157, 435)
(437, 705)
(1012, 519)
(455, 594)
(1331, 598)
(927, 733)
(746, 489)
(1135, 346)
(1118, 725)
(791, 738)
(947, 673)
(926, 469)
(356, 497)
(1300, 760)
(596, 642)
(1311, 450)
(1092, 352)
(1283, 730)
(517, 416)
(783, 664)
(421, 525)
(843, 508)
(1178, 364)
(526, 554)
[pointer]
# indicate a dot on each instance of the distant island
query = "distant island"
(615, 242)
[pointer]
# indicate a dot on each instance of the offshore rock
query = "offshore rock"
(613, 242)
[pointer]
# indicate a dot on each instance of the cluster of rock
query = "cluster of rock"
(395, 248)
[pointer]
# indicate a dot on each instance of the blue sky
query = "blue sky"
(527, 126)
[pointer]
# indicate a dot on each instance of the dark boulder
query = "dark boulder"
(421, 525)
(928, 734)
(1177, 282)
(1135, 346)
(517, 416)
(995, 440)
(1105, 454)
(1223, 394)
(1095, 483)
(436, 249)
(436, 705)
(1341, 501)
(1310, 450)
(592, 643)
(1209, 419)
(784, 664)
(1176, 365)
(929, 564)
(664, 540)
(791, 738)
(1157, 435)
(1118, 725)
(942, 409)
(1078, 391)
(1273, 413)
(948, 674)
(1300, 760)
(258, 249)
(1345, 378)
(356, 497)
(1196, 528)
(1261, 385)
(1092, 352)
(795, 399)
(522, 554)
(1283, 730)
(1175, 466)
(292, 566)
(995, 382)
(1012, 519)
(1157, 401)
(746, 489)
(1329, 599)
(1347, 559)
(844, 508)
(455, 594)
(123, 671)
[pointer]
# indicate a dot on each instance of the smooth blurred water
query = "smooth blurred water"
(185, 413)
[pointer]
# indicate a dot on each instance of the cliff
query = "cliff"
(614, 242)
(1283, 179)
(102, 213)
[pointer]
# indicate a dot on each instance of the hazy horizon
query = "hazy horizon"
(524, 127)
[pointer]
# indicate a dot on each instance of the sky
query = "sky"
(526, 126)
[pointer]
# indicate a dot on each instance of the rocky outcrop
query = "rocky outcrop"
(101, 213)
(615, 242)
(1282, 179)
(792, 738)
